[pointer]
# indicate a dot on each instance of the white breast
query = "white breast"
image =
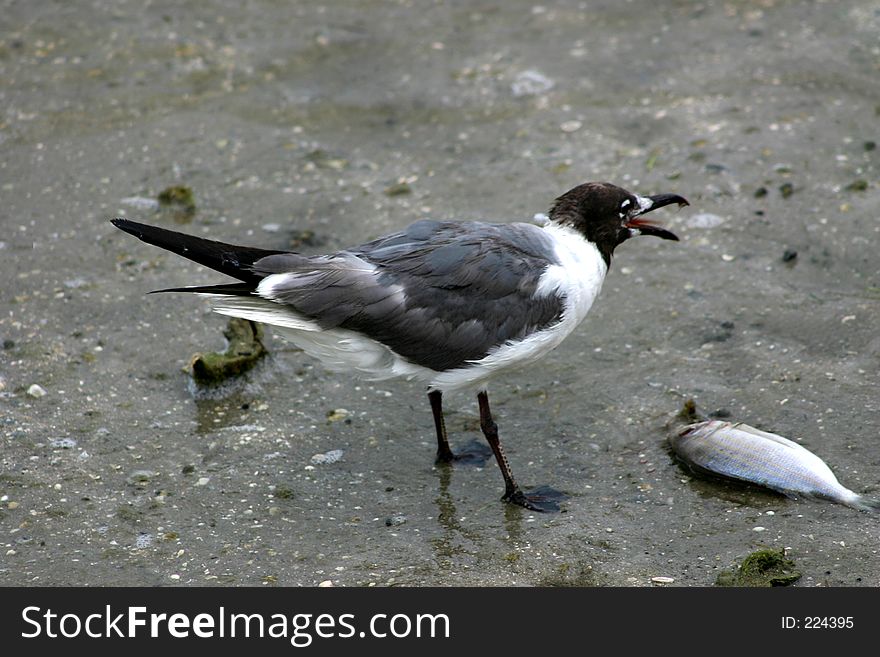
(577, 279)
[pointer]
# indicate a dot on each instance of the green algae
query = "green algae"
(765, 567)
(180, 201)
(245, 349)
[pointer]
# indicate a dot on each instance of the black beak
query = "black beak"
(646, 227)
(666, 199)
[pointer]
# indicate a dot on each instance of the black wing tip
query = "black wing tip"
(126, 224)
(225, 289)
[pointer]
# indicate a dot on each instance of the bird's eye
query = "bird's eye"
(626, 202)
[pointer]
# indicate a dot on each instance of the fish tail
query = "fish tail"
(865, 504)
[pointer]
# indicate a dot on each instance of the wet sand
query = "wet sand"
(316, 127)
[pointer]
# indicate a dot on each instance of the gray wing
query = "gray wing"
(440, 294)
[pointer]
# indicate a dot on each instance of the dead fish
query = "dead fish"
(738, 451)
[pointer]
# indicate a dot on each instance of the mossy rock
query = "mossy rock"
(244, 351)
(179, 200)
(177, 195)
(767, 567)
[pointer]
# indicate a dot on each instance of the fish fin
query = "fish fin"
(865, 504)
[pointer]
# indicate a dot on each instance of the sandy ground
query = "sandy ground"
(342, 121)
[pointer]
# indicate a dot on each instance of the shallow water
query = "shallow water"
(332, 124)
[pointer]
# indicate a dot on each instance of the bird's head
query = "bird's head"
(609, 215)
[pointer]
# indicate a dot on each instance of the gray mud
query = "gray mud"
(324, 125)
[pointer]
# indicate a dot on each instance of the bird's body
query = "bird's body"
(451, 305)
(495, 297)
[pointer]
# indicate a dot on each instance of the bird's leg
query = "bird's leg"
(444, 453)
(474, 453)
(543, 498)
(490, 430)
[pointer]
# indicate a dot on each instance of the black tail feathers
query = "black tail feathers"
(232, 260)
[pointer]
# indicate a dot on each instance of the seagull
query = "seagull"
(452, 305)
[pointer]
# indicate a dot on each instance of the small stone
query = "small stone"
(36, 391)
(75, 283)
(140, 477)
(12, 505)
(705, 220)
(283, 493)
(328, 457)
(327, 583)
(857, 186)
(177, 195)
(786, 189)
(759, 529)
(143, 541)
(571, 126)
(789, 255)
(141, 203)
(541, 219)
(395, 521)
(761, 192)
(202, 481)
(63, 443)
(398, 189)
(337, 414)
(271, 228)
(663, 580)
(531, 83)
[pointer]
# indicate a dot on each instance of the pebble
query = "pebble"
(337, 414)
(327, 583)
(63, 443)
(663, 580)
(705, 220)
(571, 126)
(531, 83)
(140, 202)
(202, 481)
(272, 228)
(143, 541)
(759, 529)
(140, 477)
(36, 391)
(394, 521)
(12, 505)
(74, 283)
(327, 457)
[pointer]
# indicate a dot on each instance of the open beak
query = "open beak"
(638, 225)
